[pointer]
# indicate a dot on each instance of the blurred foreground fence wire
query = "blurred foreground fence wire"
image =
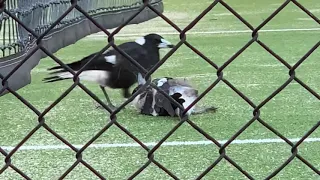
(25, 36)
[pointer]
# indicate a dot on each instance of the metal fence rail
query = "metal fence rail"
(184, 119)
(14, 36)
(58, 26)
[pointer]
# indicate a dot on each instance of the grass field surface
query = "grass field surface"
(219, 35)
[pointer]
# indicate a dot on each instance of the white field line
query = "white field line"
(173, 143)
(213, 32)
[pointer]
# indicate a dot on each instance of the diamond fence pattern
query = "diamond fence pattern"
(183, 117)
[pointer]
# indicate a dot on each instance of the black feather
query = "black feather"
(52, 79)
(180, 90)
(118, 74)
(168, 108)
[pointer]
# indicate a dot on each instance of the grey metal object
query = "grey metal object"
(39, 15)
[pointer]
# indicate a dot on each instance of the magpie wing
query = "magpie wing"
(135, 51)
(162, 102)
(96, 64)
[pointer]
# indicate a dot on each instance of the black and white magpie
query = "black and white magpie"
(113, 70)
(152, 102)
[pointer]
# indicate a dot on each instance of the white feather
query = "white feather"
(161, 82)
(141, 80)
(188, 101)
(141, 41)
(187, 95)
(97, 76)
(139, 103)
(111, 59)
(154, 91)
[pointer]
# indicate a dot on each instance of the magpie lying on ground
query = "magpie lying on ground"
(152, 102)
(113, 70)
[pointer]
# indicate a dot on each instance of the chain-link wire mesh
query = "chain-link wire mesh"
(15, 37)
(58, 26)
(183, 117)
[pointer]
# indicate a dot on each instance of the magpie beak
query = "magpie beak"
(165, 44)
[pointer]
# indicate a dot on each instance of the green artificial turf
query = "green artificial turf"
(255, 72)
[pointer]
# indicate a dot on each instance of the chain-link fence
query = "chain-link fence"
(73, 4)
(57, 25)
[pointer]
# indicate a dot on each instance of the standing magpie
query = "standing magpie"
(152, 102)
(113, 70)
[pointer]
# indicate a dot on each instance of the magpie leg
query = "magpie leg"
(107, 97)
(125, 92)
(110, 105)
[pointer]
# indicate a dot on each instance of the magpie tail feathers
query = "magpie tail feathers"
(74, 66)
(57, 72)
(58, 76)
(61, 73)
(54, 68)
(53, 79)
